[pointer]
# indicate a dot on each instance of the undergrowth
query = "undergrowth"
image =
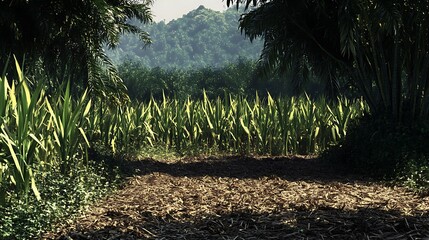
(62, 197)
(384, 150)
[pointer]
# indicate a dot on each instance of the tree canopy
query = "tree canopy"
(381, 46)
(66, 37)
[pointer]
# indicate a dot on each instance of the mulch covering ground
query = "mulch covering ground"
(250, 198)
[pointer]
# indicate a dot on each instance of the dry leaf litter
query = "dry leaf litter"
(250, 198)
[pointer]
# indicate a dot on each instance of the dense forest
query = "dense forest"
(204, 51)
(201, 38)
(239, 78)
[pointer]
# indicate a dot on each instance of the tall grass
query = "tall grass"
(37, 134)
(41, 133)
(273, 126)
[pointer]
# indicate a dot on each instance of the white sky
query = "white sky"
(172, 9)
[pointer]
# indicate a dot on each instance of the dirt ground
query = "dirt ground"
(250, 198)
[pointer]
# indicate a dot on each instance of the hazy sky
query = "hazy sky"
(172, 9)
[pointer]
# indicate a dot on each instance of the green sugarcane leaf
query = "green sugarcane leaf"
(31, 135)
(82, 132)
(33, 186)
(10, 144)
(87, 108)
(246, 129)
(19, 70)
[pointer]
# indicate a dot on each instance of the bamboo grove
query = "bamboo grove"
(41, 132)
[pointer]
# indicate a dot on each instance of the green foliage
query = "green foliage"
(378, 147)
(35, 137)
(300, 38)
(56, 35)
(238, 78)
(274, 126)
(20, 128)
(381, 46)
(67, 122)
(201, 38)
(42, 133)
(62, 197)
(44, 169)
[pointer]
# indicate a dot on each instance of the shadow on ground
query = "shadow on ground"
(287, 168)
(294, 224)
(179, 205)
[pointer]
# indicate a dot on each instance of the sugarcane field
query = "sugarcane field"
(214, 119)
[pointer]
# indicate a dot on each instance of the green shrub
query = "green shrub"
(381, 149)
(62, 196)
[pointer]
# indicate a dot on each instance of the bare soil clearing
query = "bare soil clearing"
(250, 198)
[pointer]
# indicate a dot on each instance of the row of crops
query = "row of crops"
(41, 133)
(233, 124)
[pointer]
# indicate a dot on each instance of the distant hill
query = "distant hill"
(201, 38)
